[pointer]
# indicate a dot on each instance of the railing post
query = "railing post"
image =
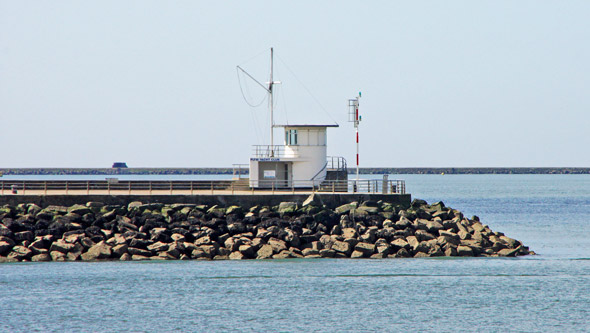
(45, 191)
(192, 187)
(24, 187)
(150, 186)
(211, 187)
(87, 187)
(108, 187)
(66, 187)
(273, 187)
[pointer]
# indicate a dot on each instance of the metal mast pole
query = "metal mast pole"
(355, 118)
(356, 127)
(270, 84)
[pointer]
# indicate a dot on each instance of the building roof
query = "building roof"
(331, 125)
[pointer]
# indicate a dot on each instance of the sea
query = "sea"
(546, 292)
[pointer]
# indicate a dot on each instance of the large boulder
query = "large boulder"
(509, 252)
(277, 244)
(41, 257)
(346, 208)
(20, 252)
(237, 255)
(464, 251)
(120, 249)
(365, 248)
(342, 247)
(6, 244)
(61, 246)
(247, 250)
(265, 252)
(287, 207)
(313, 200)
(349, 233)
(140, 252)
(100, 250)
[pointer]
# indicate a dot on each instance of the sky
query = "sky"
(154, 83)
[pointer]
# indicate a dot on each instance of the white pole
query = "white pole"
(357, 153)
(270, 84)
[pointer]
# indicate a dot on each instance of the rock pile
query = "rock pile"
(95, 231)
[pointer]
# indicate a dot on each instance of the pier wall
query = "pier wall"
(331, 200)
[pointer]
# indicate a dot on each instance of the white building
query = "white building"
(300, 163)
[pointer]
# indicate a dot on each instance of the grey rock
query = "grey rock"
(119, 250)
(265, 252)
(41, 257)
(313, 200)
(365, 248)
(237, 255)
(277, 244)
(464, 251)
(342, 247)
(100, 250)
(61, 246)
(20, 252)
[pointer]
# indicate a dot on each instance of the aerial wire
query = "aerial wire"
(308, 91)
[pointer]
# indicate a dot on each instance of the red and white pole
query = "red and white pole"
(357, 142)
(354, 117)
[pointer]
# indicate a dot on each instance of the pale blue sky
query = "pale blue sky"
(154, 84)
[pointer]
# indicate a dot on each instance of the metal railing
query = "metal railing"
(267, 151)
(333, 186)
(240, 171)
(113, 186)
(336, 163)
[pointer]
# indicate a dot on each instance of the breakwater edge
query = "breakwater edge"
(137, 231)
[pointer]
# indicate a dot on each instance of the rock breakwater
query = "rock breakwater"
(138, 231)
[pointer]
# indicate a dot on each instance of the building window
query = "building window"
(291, 137)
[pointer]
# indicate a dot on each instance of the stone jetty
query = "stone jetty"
(155, 231)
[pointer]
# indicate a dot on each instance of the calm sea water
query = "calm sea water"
(547, 292)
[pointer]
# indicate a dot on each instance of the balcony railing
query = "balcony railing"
(268, 151)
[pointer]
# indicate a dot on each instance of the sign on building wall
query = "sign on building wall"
(270, 174)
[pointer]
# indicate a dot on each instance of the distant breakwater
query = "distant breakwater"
(138, 231)
(229, 171)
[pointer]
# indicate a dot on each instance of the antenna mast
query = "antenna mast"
(269, 90)
(270, 101)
